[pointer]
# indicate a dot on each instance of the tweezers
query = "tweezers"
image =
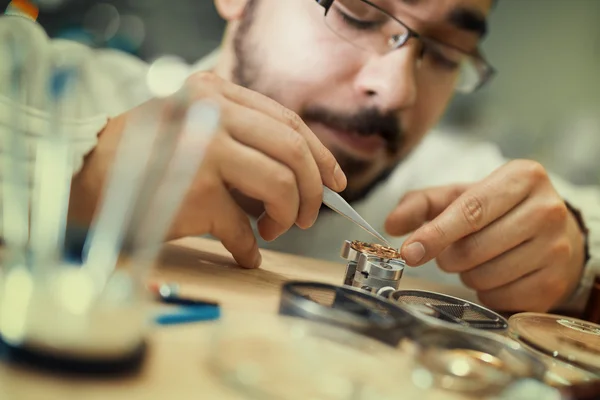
(334, 201)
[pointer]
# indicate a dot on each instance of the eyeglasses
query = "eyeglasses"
(371, 28)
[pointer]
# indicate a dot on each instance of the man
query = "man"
(300, 82)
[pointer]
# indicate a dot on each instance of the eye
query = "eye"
(445, 59)
(357, 23)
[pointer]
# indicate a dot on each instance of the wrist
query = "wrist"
(576, 214)
(87, 184)
(589, 284)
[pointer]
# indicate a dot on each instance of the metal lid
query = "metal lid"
(453, 310)
(569, 339)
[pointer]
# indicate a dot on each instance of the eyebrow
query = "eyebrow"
(469, 20)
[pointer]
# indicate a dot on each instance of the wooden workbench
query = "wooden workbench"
(174, 368)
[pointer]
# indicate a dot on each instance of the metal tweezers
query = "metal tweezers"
(334, 201)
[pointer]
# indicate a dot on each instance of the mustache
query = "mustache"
(365, 122)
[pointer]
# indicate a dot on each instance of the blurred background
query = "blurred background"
(543, 105)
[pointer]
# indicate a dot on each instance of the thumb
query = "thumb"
(420, 206)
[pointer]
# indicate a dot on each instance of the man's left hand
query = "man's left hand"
(510, 237)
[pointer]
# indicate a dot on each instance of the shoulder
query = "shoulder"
(111, 81)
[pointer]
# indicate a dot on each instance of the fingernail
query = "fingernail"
(340, 177)
(413, 253)
(315, 220)
(258, 260)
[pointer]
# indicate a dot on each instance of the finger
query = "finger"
(262, 178)
(268, 228)
(537, 292)
(331, 173)
(472, 211)
(232, 227)
(285, 145)
(501, 236)
(420, 206)
(507, 268)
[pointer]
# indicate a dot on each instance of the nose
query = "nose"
(389, 82)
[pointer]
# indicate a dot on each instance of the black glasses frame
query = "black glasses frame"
(487, 71)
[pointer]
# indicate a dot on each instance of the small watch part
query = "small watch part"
(375, 249)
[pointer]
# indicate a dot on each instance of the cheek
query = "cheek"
(432, 99)
(301, 55)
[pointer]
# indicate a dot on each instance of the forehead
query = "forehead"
(461, 14)
(434, 7)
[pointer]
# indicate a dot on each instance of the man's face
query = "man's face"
(370, 109)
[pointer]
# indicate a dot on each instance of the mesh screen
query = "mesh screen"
(454, 310)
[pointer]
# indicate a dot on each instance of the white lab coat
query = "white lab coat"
(115, 82)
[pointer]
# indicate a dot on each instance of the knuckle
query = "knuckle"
(410, 195)
(284, 183)
(467, 279)
(437, 231)
(292, 119)
(561, 250)
(297, 145)
(535, 171)
(472, 280)
(555, 211)
(473, 212)
(553, 286)
(206, 77)
(444, 262)
(207, 185)
(324, 158)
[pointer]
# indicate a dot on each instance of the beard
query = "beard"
(247, 73)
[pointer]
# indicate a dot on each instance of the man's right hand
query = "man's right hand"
(262, 150)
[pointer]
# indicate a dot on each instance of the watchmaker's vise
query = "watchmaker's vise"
(372, 267)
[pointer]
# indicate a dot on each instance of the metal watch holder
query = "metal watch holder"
(371, 267)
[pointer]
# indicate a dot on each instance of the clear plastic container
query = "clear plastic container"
(570, 347)
(470, 362)
(286, 358)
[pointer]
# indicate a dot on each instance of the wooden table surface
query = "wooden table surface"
(174, 367)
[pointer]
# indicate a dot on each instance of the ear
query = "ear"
(231, 10)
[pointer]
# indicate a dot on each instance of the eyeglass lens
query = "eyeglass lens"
(371, 29)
